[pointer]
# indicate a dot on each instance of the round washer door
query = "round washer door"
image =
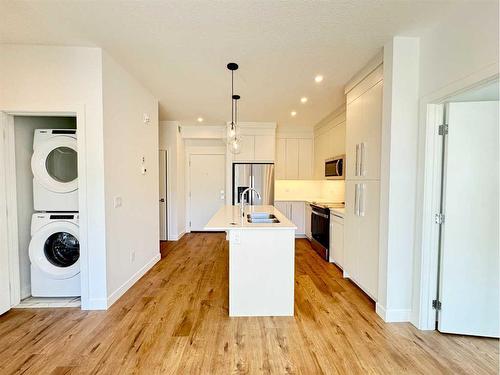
(55, 250)
(55, 164)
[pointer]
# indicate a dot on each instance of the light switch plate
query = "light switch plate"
(117, 202)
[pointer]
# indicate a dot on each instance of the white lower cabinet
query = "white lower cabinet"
(337, 240)
(361, 225)
(295, 212)
(307, 220)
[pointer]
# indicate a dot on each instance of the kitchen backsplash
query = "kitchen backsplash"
(332, 191)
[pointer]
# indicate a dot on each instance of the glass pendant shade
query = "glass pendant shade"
(232, 133)
(235, 146)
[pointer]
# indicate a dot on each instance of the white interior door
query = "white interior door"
(469, 257)
(163, 195)
(207, 188)
(4, 239)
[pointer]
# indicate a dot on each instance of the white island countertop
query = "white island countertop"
(229, 217)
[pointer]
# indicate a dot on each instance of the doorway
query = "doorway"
(467, 299)
(39, 197)
(206, 188)
(163, 163)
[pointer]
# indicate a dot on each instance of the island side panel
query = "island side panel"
(261, 272)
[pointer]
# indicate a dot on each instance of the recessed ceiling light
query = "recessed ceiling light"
(303, 99)
(200, 119)
(293, 113)
(318, 78)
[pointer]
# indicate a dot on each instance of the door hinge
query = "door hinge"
(436, 304)
(439, 218)
(443, 129)
(189, 224)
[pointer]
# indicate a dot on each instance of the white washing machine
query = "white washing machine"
(54, 253)
(55, 170)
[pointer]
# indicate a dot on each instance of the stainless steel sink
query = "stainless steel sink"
(262, 218)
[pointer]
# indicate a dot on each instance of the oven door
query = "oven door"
(320, 231)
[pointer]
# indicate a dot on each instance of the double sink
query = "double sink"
(262, 218)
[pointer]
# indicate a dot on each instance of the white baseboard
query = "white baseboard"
(393, 315)
(176, 237)
(300, 236)
(95, 304)
(135, 277)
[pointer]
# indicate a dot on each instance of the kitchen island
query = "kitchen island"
(261, 260)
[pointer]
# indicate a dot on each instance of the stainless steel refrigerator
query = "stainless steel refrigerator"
(259, 176)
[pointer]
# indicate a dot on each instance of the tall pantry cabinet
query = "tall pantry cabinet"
(363, 141)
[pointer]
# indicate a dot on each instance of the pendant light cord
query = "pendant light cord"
(232, 100)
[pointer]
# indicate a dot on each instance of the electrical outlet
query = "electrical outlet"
(146, 119)
(132, 256)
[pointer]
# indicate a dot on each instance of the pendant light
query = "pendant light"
(232, 135)
(234, 141)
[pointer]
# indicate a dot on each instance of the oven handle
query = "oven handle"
(320, 214)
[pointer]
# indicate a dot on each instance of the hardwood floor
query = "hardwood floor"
(175, 321)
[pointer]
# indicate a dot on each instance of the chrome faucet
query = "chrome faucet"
(242, 199)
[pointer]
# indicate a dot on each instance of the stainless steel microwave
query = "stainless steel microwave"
(334, 168)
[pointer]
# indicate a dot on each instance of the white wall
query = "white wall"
(465, 44)
(24, 129)
(112, 138)
(171, 140)
(398, 178)
(132, 230)
(69, 79)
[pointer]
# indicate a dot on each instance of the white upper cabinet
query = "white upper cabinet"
(264, 147)
(258, 142)
(280, 165)
(247, 152)
(364, 128)
(329, 141)
(305, 159)
(294, 158)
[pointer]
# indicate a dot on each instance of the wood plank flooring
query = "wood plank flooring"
(175, 321)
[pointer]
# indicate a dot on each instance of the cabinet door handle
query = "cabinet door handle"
(361, 200)
(362, 159)
(357, 159)
(356, 199)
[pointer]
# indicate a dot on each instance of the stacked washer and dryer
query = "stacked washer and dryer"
(54, 249)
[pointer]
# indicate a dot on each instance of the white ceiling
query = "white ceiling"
(179, 49)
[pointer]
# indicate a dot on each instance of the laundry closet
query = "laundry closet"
(46, 161)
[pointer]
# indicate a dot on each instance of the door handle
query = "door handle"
(356, 200)
(357, 158)
(162, 200)
(361, 199)
(362, 159)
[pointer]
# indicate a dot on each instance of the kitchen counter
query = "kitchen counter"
(338, 211)
(229, 218)
(261, 261)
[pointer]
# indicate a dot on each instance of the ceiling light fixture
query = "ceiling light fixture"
(318, 78)
(303, 99)
(200, 119)
(232, 136)
(293, 113)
